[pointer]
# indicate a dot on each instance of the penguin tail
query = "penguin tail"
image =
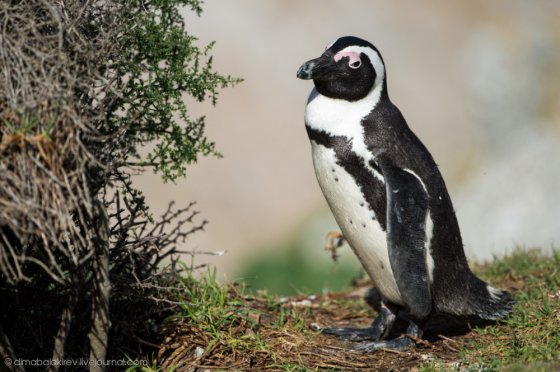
(497, 305)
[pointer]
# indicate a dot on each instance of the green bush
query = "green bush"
(87, 86)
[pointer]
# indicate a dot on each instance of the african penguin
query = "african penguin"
(389, 200)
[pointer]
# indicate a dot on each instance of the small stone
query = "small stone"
(426, 357)
(315, 327)
(198, 352)
(302, 303)
(255, 317)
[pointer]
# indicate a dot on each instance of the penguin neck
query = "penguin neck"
(333, 114)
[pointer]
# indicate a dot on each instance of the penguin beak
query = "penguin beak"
(313, 68)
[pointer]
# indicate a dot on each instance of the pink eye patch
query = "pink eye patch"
(354, 57)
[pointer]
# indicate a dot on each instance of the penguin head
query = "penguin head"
(349, 68)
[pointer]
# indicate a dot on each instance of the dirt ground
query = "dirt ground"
(281, 334)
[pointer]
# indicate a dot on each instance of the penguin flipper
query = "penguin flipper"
(407, 208)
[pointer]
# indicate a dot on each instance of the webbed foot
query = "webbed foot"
(399, 344)
(354, 334)
(379, 329)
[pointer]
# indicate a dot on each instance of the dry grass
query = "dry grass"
(280, 334)
(229, 330)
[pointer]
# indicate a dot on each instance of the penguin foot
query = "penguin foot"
(399, 344)
(355, 334)
(335, 240)
(379, 329)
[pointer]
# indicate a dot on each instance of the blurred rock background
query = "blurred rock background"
(479, 83)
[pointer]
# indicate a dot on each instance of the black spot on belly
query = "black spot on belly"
(336, 179)
(350, 222)
(332, 170)
(382, 267)
(364, 225)
(372, 189)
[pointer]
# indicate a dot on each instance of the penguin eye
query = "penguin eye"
(355, 64)
(354, 58)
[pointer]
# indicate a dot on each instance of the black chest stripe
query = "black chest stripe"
(373, 190)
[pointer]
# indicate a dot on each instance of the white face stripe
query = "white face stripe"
(373, 57)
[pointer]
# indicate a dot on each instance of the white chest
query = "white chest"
(357, 222)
